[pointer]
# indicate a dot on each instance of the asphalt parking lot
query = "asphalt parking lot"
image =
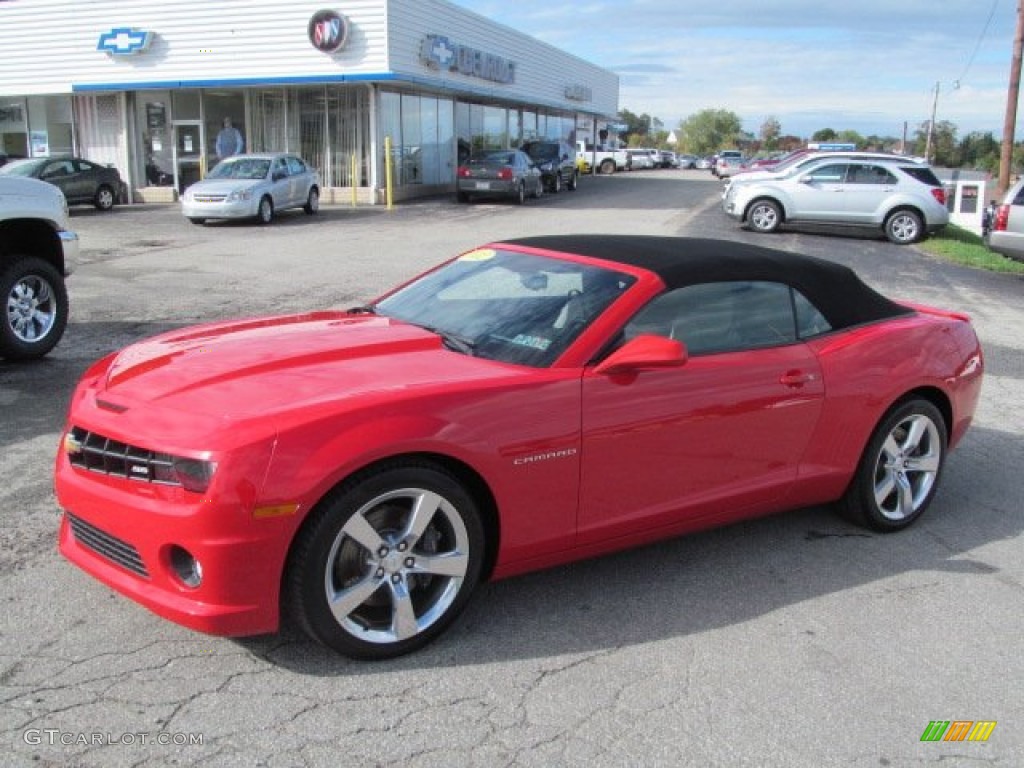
(796, 640)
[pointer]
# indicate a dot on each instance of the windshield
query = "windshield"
(241, 168)
(22, 167)
(507, 306)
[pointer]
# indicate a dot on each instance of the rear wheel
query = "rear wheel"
(556, 183)
(265, 213)
(312, 202)
(607, 166)
(764, 216)
(903, 227)
(520, 193)
(899, 471)
(35, 310)
(196, 220)
(574, 180)
(462, 197)
(386, 563)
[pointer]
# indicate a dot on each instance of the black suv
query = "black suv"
(557, 163)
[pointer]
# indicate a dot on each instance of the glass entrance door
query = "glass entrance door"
(189, 162)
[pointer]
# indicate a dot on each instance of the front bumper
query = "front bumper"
(236, 209)
(127, 534)
(70, 246)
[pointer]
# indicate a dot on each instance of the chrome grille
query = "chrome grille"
(109, 547)
(97, 453)
(208, 198)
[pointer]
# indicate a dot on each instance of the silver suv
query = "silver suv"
(901, 197)
(1005, 231)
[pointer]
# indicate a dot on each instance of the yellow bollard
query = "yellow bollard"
(387, 170)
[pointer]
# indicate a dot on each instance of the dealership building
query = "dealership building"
(361, 89)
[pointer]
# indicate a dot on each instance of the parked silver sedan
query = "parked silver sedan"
(253, 186)
(507, 173)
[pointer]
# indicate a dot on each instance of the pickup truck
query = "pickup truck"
(604, 160)
(37, 251)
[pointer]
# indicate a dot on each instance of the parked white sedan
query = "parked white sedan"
(253, 185)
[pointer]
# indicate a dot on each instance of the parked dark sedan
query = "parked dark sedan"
(508, 173)
(83, 182)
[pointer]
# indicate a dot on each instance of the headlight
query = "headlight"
(239, 194)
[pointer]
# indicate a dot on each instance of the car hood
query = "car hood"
(264, 366)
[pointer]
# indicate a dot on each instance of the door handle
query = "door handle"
(796, 378)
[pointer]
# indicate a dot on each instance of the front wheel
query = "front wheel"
(607, 166)
(764, 216)
(904, 227)
(899, 471)
(312, 202)
(35, 308)
(265, 213)
(574, 181)
(386, 563)
(104, 199)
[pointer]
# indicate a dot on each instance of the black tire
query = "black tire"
(105, 198)
(574, 181)
(520, 193)
(900, 470)
(265, 212)
(556, 183)
(461, 197)
(365, 550)
(764, 216)
(312, 202)
(197, 221)
(904, 227)
(35, 308)
(607, 166)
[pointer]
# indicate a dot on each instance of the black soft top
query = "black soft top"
(836, 290)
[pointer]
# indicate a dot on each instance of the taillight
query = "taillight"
(506, 174)
(939, 194)
(1002, 218)
(463, 172)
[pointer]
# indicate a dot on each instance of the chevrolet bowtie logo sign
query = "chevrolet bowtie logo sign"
(124, 41)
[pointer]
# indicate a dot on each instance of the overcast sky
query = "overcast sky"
(865, 65)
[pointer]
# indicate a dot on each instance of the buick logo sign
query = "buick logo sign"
(328, 31)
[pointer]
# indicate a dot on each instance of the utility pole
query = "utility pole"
(931, 125)
(1013, 92)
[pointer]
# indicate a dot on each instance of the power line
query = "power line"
(977, 44)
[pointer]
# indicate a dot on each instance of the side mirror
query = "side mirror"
(644, 352)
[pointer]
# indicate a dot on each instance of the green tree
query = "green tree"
(638, 125)
(825, 134)
(944, 144)
(851, 137)
(771, 130)
(709, 130)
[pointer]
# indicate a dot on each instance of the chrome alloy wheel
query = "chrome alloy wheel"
(764, 216)
(907, 467)
(397, 565)
(31, 308)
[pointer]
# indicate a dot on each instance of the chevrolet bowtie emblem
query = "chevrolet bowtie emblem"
(124, 41)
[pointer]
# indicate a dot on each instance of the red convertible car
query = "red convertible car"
(528, 403)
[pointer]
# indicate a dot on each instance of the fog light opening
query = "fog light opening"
(186, 568)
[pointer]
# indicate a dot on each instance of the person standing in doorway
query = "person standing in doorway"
(229, 140)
